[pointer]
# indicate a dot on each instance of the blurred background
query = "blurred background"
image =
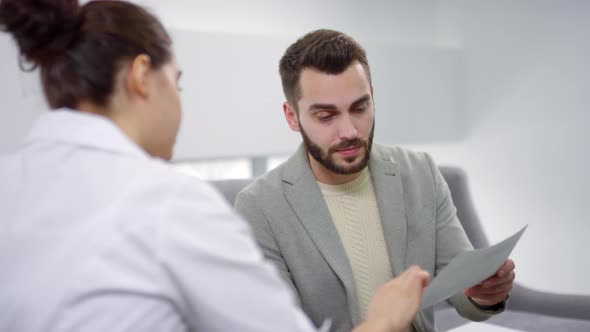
(499, 88)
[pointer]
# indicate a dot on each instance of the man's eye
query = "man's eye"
(360, 109)
(325, 117)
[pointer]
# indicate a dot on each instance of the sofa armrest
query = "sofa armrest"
(548, 303)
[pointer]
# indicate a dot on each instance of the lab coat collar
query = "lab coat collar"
(82, 129)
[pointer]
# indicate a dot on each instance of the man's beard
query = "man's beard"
(327, 160)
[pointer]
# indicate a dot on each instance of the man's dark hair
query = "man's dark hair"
(328, 51)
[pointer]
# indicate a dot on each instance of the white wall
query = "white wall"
(20, 97)
(230, 53)
(526, 127)
(232, 99)
(400, 22)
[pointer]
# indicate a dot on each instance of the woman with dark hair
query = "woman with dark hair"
(97, 233)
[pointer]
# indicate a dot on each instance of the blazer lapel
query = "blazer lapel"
(387, 183)
(304, 195)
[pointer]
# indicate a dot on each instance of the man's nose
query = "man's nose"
(347, 128)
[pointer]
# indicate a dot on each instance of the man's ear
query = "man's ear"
(138, 76)
(291, 116)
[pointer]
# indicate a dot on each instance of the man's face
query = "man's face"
(336, 118)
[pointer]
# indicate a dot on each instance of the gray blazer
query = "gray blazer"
(292, 224)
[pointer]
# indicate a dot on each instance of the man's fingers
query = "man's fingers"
(506, 268)
(495, 288)
(481, 292)
(494, 281)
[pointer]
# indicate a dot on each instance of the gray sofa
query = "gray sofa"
(528, 309)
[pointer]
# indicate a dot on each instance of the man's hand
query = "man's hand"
(396, 303)
(494, 289)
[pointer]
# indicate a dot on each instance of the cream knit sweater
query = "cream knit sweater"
(354, 211)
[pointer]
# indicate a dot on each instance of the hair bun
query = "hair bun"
(43, 29)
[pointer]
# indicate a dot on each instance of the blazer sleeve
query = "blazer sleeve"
(450, 241)
(247, 205)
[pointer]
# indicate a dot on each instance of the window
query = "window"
(236, 168)
(217, 169)
(274, 161)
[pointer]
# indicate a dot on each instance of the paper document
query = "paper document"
(467, 270)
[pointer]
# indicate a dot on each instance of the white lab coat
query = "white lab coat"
(97, 236)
